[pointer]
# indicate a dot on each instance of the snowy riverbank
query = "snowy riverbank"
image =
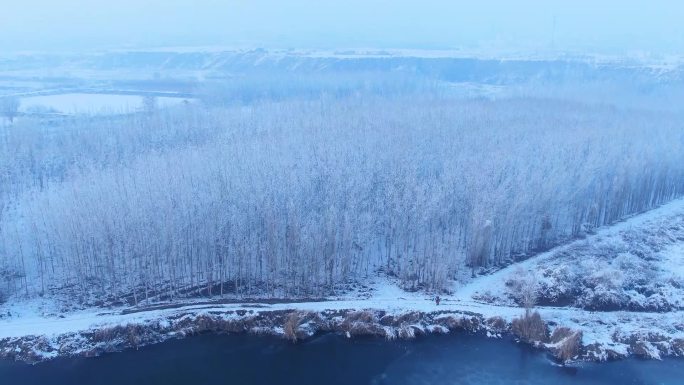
(35, 337)
(34, 330)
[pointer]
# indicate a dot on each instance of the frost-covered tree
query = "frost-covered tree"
(9, 107)
(149, 104)
(296, 197)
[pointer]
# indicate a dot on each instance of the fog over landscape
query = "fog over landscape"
(605, 27)
(301, 174)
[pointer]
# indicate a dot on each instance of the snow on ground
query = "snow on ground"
(673, 260)
(613, 330)
(580, 251)
(37, 317)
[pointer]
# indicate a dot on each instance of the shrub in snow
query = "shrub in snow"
(497, 324)
(530, 328)
(639, 269)
(407, 331)
(602, 298)
(568, 343)
(678, 346)
(558, 286)
(523, 288)
(362, 322)
(657, 302)
(291, 326)
(301, 324)
(587, 229)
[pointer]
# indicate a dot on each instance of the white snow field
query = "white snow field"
(672, 261)
(611, 333)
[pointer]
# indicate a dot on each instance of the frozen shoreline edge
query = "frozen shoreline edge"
(606, 335)
(143, 331)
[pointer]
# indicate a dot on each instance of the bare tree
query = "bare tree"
(525, 289)
(149, 104)
(9, 107)
(286, 198)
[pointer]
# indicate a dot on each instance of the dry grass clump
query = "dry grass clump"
(524, 288)
(106, 334)
(497, 324)
(678, 346)
(568, 343)
(407, 331)
(362, 322)
(301, 324)
(365, 316)
(530, 328)
(132, 335)
(291, 325)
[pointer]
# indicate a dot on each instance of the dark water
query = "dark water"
(329, 359)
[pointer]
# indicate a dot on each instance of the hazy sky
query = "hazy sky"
(607, 26)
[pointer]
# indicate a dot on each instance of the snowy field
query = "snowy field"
(92, 104)
(636, 265)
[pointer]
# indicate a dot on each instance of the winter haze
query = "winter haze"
(609, 26)
(341, 192)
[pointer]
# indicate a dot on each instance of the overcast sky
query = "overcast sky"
(601, 26)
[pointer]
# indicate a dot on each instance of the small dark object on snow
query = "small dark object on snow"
(437, 299)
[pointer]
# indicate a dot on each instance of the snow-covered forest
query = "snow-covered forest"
(294, 197)
(296, 191)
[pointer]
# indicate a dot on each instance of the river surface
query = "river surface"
(331, 359)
